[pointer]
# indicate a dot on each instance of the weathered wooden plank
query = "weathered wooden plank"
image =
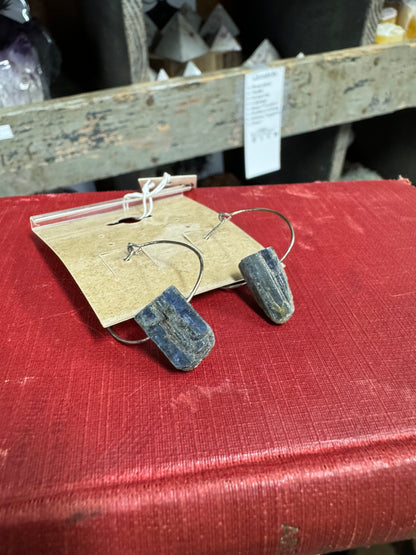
(342, 140)
(135, 33)
(109, 132)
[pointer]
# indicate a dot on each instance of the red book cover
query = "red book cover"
(292, 439)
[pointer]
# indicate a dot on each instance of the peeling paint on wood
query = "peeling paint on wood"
(65, 141)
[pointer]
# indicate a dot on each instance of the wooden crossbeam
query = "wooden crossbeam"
(68, 140)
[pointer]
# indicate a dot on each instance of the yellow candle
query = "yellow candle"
(388, 32)
(407, 17)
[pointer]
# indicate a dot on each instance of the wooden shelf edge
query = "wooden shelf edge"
(65, 141)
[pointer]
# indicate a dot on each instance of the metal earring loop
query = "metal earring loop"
(133, 249)
(264, 273)
(171, 322)
(226, 216)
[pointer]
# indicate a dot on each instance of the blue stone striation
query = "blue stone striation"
(267, 280)
(177, 329)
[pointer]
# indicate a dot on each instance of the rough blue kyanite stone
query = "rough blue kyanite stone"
(177, 329)
(266, 278)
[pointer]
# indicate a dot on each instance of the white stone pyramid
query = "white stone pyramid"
(191, 69)
(191, 16)
(151, 30)
(218, 17)
(179, 41)
(162, 75)
(263, 54)
(224, 41)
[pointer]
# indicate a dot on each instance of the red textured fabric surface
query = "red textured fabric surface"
(292, 439)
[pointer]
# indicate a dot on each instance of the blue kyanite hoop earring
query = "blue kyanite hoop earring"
(171, 322)
(264, 273)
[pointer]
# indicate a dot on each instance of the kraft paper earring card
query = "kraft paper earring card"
(91, 241)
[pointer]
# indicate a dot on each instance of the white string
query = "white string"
(149, 190)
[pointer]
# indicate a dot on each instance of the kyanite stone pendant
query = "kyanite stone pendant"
(267, 280)
(177, 329)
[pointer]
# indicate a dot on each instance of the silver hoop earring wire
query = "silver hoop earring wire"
(134, 248)
(226, 216)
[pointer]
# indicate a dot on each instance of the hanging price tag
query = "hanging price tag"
(263, 104)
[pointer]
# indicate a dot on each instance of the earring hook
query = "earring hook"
(135, 248)
(226, 216)
(223, 217)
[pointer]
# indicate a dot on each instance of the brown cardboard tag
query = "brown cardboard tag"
(94, 248)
